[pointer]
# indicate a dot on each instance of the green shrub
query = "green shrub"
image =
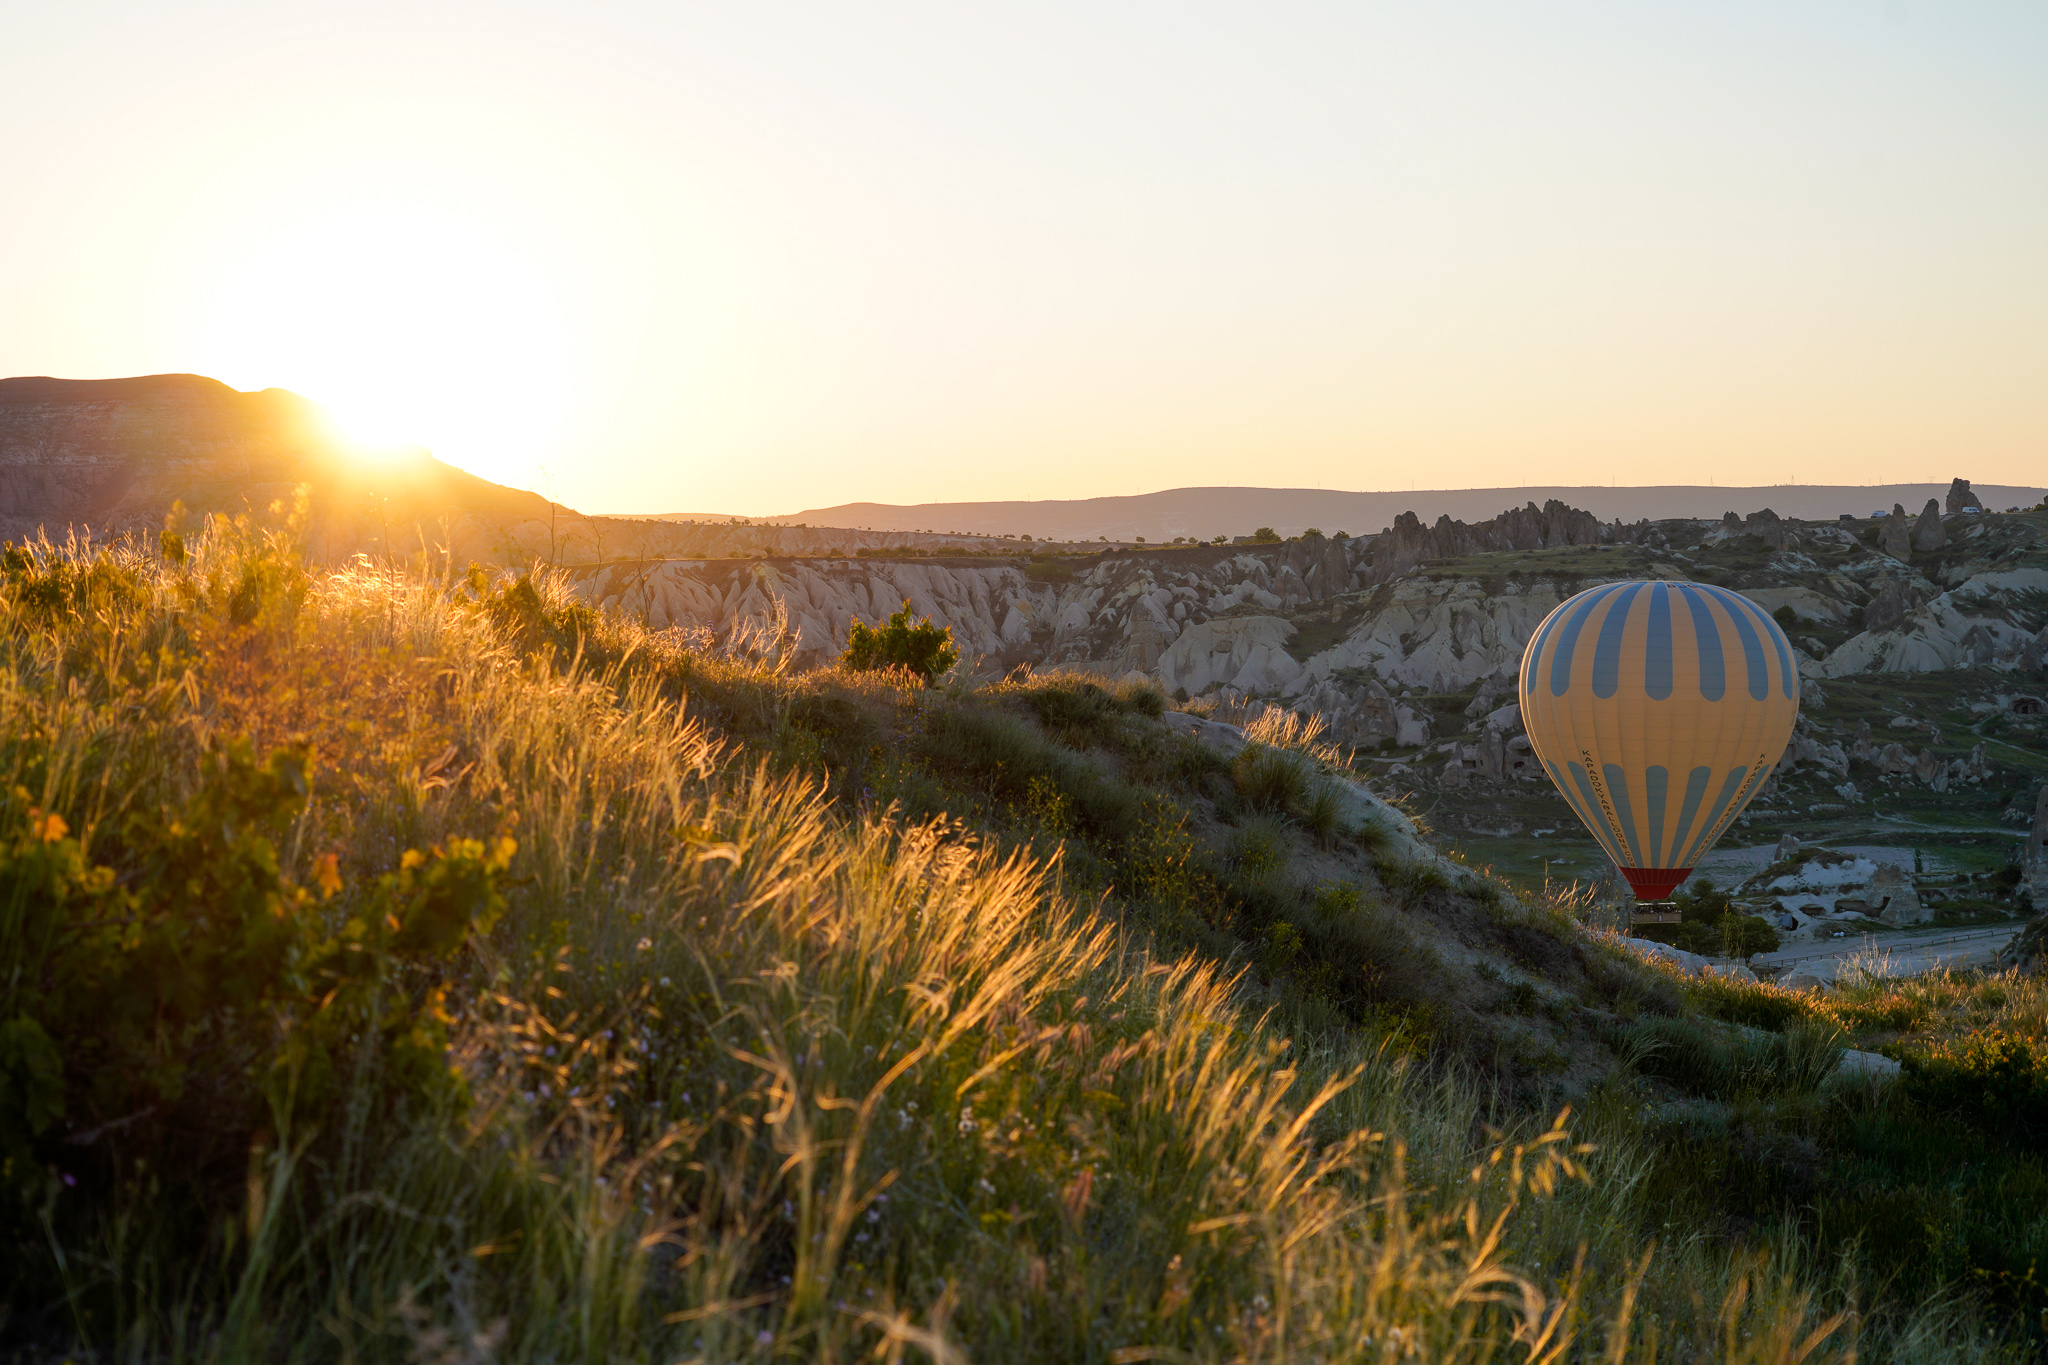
(1143, 697)
(1019, 764)
(1078, 710)
(1322, 813)
(1360, 954)
(1742, 935)
(1687, 935)
(1160, 864)
(1280, 946)
(1375, 834)
(1049, 570)
(1750, 1003)
(1411, 882)
(1109, 810)
(204, 996)
(1274, 780)
(922, 649)
(1694, 937)
(1995, 1081)
(48, 588)
(1045, 803)
(1726, 1064)
(527, 615)
(1260, 847)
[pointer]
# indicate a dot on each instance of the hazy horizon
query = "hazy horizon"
(794, 255)
(1205, 512)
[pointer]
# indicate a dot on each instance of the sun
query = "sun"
(412, 327)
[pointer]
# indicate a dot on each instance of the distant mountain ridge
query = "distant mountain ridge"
(115, 454)
(1206, 513)
(110, 458)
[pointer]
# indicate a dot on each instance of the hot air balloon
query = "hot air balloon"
(1658, 709)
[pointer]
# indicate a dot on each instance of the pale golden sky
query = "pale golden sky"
(764, 256)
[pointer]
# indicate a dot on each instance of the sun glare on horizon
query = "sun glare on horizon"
(412, 327)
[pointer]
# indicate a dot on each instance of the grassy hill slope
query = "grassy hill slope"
(406, 964)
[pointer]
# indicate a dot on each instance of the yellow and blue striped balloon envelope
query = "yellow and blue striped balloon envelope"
(1658, 709)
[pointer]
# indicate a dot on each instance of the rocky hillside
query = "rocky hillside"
(108, 457)
(1325, 623)
(1921, 639)
(106, 452)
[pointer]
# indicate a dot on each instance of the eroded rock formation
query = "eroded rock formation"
(1928, 533)
(1408, 542)
(1895, 535)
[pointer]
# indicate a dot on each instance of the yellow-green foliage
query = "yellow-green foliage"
(923, 650)
(747, 1073)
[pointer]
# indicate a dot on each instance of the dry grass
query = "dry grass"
(1279, 728)
(759, 1079)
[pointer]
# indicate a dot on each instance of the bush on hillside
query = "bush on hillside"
(1271, 779)
(1686, 936)
(168, 1012)
(923, 649)
(1322, 812)
(1742, 935)
(1076, 709)
(1142, 696)
(1995, 1081)
(525, 614)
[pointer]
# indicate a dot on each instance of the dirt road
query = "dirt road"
(1910, 954)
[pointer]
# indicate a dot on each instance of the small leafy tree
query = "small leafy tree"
(924, 649)
(1742, 935)
(1703, 903)
(1265, 535)
(1692, 938)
